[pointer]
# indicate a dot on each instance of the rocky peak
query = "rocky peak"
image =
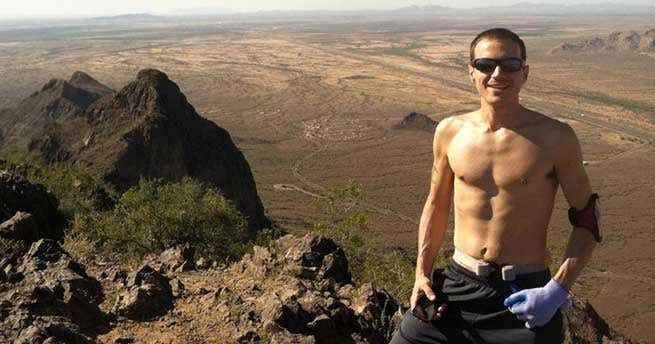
(153, 94)
(85, 82)
(149, 130)
(417, 121)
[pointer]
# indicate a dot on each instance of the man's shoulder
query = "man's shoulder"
(452, 124)
(447, 129)
(559, 132)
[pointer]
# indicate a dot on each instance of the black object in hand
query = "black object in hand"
(427, 310)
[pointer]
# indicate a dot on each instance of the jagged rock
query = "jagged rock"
(284, 314)
(248, 336)
(19, 195)
(289, 338)
(177, 287)
(334, 268)
(307, 258)
(149, 295)
(52, 330)
(118, 276)
(375, 308)
(323, 328)
(417, 121)
(178, 258)
(20, 227)
(584, 326)
(51, 296)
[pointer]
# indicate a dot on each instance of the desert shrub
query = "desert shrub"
(155, 215)
(345, 219)
(76, 190)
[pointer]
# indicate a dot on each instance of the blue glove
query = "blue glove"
(538, 305)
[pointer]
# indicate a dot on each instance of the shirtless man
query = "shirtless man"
(501, 165)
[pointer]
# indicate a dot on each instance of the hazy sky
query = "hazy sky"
(68, 8)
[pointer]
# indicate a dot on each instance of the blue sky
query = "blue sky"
(71, 8)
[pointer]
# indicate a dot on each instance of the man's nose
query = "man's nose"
(496, 72)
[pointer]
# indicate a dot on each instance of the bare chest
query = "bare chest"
(500, 161)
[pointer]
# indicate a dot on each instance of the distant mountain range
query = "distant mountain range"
(521, 8)
(618, 41)
(605, 8)
(130, 17)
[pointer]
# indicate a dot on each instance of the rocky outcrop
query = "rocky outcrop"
(584, 326)
(28, 211)
(617, 41)
(47, 297)
(417, 121)
(299, 291)
(149, 295)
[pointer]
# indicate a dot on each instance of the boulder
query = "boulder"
(149, 295)
(582, 325)
(315, 257)
(49, 298)
(18, 196)
(20, 227)
(178, 258)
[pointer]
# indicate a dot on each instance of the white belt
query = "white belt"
(483, 269)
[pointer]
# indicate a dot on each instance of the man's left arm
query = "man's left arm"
(537, 306)
(577, 190)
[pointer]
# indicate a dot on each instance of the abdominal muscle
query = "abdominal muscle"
(503, 229)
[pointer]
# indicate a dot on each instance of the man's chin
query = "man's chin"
(498, 100)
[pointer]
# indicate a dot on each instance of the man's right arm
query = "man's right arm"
(434, 219)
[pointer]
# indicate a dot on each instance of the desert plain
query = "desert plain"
(314, 101)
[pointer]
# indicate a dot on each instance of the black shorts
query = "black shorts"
(476, 313)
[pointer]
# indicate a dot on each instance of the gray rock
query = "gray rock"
(19, 195)
(178, 258)
(20, 227)
(50, 300)
(149, 295)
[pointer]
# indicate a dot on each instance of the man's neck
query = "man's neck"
(501, 115)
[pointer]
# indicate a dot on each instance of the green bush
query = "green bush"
(345, 219)
(153, 216)
(73, 188)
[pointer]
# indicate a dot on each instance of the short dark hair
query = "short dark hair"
(499, 34)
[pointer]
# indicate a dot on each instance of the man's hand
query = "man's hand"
(538, 305)
(423, 286)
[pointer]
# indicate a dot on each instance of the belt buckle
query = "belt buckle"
(483, 269)
(508, 272)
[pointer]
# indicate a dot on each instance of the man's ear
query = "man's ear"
(471, 71)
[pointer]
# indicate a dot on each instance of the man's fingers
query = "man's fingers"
(429, 293)
(514, 299)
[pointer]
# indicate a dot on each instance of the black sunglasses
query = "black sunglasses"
(487, 66)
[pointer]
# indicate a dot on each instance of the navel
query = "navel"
(483, 251)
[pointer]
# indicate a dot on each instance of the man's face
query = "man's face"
(498, 87)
